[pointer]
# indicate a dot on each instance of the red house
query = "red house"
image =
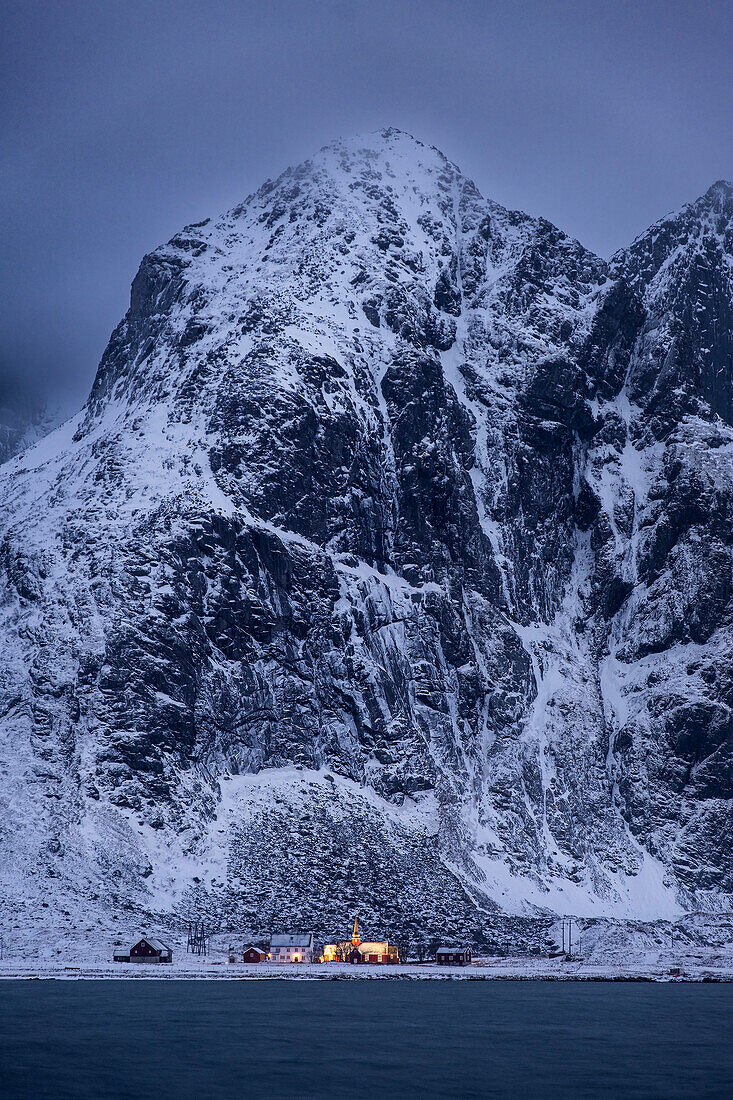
(147, 951)
(252, 954)
(453, 956)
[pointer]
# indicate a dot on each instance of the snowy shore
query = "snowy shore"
(519, 969)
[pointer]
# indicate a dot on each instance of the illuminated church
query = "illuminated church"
(358, 951)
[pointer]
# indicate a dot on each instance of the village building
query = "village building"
(253, 954)
(147, 951)
(292, 949)
(358, 951)
(337, 952)
(375, 951)
(453, 956)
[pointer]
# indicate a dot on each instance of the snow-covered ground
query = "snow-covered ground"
(658, 969)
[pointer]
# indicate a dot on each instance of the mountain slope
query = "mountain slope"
(369, 484)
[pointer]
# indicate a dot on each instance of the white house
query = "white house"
(292, 949)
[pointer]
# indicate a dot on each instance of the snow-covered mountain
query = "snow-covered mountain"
(387, 567)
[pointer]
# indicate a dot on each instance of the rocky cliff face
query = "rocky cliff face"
(388, 565)
(673, 634)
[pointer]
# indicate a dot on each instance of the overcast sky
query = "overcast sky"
(122, 121)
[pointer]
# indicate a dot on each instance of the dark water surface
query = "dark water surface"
(197, 1040)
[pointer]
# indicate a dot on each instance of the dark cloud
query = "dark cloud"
(123, 121)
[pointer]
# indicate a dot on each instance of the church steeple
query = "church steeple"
(356, 938)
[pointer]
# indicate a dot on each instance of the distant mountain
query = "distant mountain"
(387, 567)
(22, 422)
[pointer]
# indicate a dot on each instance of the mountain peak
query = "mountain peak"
(718, 198)
(707, 218)
(397, 150)
(716, 201)
(386, 139)
(720, 186)
(385, 136)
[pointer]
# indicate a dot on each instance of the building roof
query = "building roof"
(253, 947)
(379, 946)
(157, 945)
(303, 940)
(452, 950)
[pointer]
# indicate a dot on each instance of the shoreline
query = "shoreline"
(217, 972)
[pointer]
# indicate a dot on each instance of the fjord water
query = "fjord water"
(129, 1040)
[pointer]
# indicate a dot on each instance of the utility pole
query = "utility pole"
(197, 939)
(567, 943)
